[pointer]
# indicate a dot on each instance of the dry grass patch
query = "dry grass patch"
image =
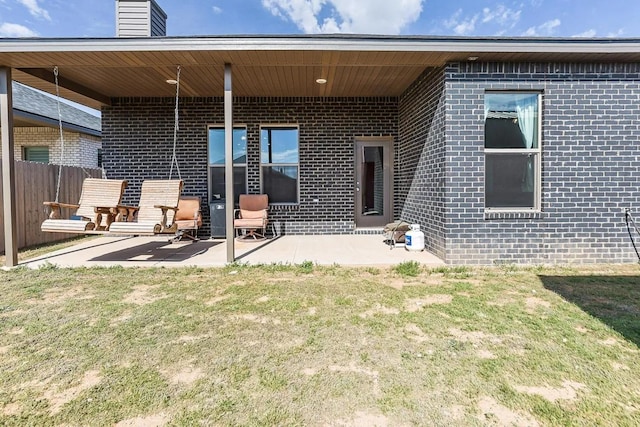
(568, 391)
(143, 294)
(58, 398)
(158, 420)
(494, 413)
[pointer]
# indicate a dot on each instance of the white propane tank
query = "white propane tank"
(414, 238)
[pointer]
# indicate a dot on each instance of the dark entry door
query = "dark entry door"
(374, 169)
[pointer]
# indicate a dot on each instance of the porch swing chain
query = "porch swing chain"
(55, 74)
(176, 126)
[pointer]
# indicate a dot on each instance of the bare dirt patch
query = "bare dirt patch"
(474, 337)
(60, 295)
(141, 295)
(454, 412)
(364, 419)
(399, 284)
(216, 300)
(533, 303)
(379, 309)
(609, 341)
(192, 338)
(262, 299)
(12, 409)
(619, 366)
(507, 298)
(415, 304)
(415, 333)
(486, 354)
(309, 371)
(122, 318)
(12, 313)
(312, 311)
(498, 414)
(257, 319)
(353, 368)
(568, 391)
(59, 399)
(581, 329)
(396, 284)
(277, 279)
(157, 420)
(16, 331)
(5, 349)
(187, 375)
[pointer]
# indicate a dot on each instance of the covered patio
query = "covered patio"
(345, 250)
(344, 101)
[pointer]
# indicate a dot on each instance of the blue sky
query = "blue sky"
(558, 18)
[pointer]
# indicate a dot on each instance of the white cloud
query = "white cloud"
(618, 33)
(35, 9)
(546, 29)
(461, 27)
(501, 15)
(347, 16)
(589, 33)
(217, 10)
(8, 29)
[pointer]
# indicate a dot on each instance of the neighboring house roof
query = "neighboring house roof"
(94, 71)
(34, 107)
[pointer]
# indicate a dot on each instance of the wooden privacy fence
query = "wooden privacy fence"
(35, 183)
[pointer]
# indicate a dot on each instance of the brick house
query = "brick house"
(37, 133)
(503, 150)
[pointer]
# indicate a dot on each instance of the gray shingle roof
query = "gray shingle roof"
(36, 103)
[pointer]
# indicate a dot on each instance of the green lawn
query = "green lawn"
(310, 345)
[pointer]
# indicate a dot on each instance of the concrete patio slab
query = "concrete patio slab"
(156, 251)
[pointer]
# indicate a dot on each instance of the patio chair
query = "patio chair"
(94, 211)
(155, 211)
(251, 217)
(188, 219)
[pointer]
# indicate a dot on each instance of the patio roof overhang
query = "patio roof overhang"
(92, 71)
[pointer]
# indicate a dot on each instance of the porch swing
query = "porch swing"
(159, 199)
(94, 211)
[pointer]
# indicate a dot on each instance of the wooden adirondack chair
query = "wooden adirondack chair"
(155, 211)
(94, 210)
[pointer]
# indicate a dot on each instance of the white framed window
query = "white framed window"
(512, 150)
(279, 163)
(217, 158)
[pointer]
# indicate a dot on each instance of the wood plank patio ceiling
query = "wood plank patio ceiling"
(255, 73)
(351, 72)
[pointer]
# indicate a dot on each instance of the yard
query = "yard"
(310, 345)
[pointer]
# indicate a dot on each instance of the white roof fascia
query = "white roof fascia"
(159, 44)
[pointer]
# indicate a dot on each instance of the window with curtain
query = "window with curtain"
(512, 150)
(279, 164)
(217, 158)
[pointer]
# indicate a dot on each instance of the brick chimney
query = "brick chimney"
(140, 18)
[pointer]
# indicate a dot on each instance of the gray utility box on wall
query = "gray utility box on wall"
(218, 218)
